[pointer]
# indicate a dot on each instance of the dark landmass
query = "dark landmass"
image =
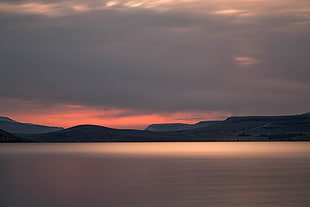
(7, 137)
(258, 126)
(15, 127)
(94, 133)
(247, 128)
(178, 126)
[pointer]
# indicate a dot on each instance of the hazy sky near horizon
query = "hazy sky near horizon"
(129, 63)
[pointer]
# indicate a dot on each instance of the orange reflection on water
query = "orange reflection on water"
(178, 149)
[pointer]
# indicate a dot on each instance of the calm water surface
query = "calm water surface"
(274, 174)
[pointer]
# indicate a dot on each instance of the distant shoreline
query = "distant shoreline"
(233, 129)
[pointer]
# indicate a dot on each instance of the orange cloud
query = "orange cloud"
(32, 7)
(233, 12)
(239, 8)
(246, 60)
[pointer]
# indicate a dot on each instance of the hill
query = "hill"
(271, 127)
(247, 128)
(178, 126)
(15, 127)
(93, 133)
(7, 137)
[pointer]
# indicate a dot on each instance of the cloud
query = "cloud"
(246, 60)
(167, 58)
(233, 12)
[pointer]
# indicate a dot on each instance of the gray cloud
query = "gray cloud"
(157, 61)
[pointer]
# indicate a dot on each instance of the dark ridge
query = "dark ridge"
(4, 118)
(94, 133)
(7, 137)
(14, 127)
(250, 128)
(178, 126)
(258, 126)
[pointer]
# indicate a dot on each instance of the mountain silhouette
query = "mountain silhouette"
(11, 126)
(246, 128)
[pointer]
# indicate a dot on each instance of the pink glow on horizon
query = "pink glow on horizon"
(72, 115)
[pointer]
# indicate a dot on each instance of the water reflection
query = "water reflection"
(117, 175)
(179, 149)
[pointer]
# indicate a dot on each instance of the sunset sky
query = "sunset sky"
(127, 64)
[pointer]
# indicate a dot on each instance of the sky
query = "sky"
(127, 64)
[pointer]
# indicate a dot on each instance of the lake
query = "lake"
(215, 174)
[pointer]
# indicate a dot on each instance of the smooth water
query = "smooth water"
(270, 174)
